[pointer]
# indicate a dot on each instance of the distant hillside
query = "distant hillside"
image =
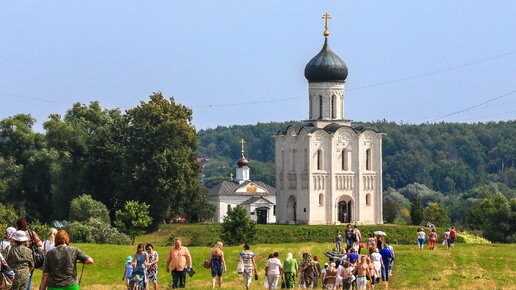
(447, 157)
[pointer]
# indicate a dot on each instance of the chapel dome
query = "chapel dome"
(326, 66)
(242, 162)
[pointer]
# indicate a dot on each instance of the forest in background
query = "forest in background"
(444, 173)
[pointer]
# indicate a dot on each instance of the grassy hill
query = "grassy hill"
(467, 266)
(208, 234)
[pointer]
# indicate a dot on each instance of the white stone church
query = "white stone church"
(327, 170)
(257, 197)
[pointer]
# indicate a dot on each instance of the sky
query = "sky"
(242, 62)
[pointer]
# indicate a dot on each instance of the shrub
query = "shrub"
(237, 227)
(8, 215)
(96, 231)
(84, 207)
(133, 219)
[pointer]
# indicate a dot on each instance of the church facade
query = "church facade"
(328, 171)
(257, 197)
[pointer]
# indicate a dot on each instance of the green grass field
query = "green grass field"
(467, 266)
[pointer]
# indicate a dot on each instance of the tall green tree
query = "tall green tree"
(160, 158)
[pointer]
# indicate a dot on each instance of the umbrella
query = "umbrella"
(380, 233)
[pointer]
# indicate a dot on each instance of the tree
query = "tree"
(390, 210)
(436, 214)
(160, 158)
(494, 216)
(416, 212)
(134, 219)
(237, 227)
(84, 207)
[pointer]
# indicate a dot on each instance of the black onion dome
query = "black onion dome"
(326, 66)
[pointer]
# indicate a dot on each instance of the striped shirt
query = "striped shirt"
(247, 259)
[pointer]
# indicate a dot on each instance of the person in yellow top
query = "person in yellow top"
(179, 261)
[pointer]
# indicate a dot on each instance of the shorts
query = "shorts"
(216, 268)
(361, 282)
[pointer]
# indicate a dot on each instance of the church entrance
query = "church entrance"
(291, 209)
(344, 212)
(261, 215)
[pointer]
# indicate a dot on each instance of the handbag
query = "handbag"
(5, 269)
(6, 282)
(207, 263)
(37, 254)
(240, 267)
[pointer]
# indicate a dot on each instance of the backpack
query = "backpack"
(452, 234)
(37, 254)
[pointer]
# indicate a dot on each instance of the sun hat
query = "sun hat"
(10, 232)
(20, 236)
(129, 259)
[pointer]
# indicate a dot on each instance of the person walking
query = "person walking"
(347, 275)
(453, 237)
(331, 276)
(362, 273)
(247, 258)
(387, 257)
(152, 267)
(432, 239)
(179, 261)
(22, 225)
(420, 238)
(20, 260)
(308, 270)
(273, 270)
(317, 275)
(218, 264)
(350, 236)
(290, 271)
(338, 242)
(358, 238)
(50, 243)
(140, 262)
(446, 239)
(60, 266)
(5, 245)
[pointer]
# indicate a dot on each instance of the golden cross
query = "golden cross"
(326, 16)
(242, 142)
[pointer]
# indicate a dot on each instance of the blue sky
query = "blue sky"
(242, 62)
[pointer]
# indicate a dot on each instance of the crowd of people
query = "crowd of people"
(20, 252)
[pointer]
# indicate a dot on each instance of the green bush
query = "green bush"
(95, 231)
(237, 227)
(84, 207)
(8, 215)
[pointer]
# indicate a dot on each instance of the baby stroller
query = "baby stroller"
(138, 281)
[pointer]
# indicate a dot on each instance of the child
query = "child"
(338, 242)
(323, 275)
(128, 271)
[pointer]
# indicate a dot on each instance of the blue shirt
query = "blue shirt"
(128, 269)
(386, 255)
(353, 257)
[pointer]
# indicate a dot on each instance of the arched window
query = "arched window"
(293, 160)
(333, 107)
(368, 199)
(320, 107)
(368, 159)
(321, 199)
(344, 159)
(229, 207)
(319, 160)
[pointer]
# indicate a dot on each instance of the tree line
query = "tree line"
(147, 153)
(440, 173)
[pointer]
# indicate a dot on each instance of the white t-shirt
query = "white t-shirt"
(421, 235)
(274, 265)
(323, 273)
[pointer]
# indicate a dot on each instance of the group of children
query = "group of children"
(449, 238)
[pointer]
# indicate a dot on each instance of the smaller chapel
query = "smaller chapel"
(328, 171)
(257, 197)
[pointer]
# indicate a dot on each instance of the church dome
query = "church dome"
(242, 162)
(326, 66)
